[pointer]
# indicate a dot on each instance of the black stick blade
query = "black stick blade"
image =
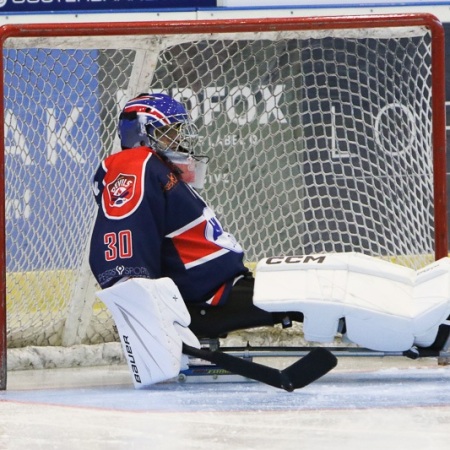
(311, 367)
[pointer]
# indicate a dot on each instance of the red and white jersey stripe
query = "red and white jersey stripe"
(203, 240)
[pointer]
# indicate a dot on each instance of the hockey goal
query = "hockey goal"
(324, 134)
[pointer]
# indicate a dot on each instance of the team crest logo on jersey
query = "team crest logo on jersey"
(123, 181)
(121, 190)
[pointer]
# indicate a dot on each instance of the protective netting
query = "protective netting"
(317, 143)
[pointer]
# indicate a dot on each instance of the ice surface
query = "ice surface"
(366, 403)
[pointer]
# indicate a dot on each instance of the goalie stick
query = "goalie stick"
(311, 367)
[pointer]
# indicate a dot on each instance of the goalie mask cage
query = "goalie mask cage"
(324, 134)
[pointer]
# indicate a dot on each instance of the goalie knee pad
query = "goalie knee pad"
(152, 321)
(386, 307)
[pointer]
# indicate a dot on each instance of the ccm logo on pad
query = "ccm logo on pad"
(295, 259)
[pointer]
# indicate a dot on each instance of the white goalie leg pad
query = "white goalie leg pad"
(386, 306)
(152, 321)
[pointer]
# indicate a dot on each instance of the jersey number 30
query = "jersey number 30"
(119, 245)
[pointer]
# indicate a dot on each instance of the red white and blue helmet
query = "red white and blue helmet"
(154, 119)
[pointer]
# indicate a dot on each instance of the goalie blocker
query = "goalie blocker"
(386, 307)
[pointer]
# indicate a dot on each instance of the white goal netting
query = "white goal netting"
(319, 141)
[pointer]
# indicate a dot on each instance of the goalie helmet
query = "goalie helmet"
(157, 121)
(162, 123)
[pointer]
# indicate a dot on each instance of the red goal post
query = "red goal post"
(325, 134)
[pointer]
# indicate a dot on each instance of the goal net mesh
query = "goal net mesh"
(318, 141)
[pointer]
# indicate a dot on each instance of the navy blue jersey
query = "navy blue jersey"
(151, 224)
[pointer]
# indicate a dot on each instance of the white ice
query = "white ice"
(364, 404)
